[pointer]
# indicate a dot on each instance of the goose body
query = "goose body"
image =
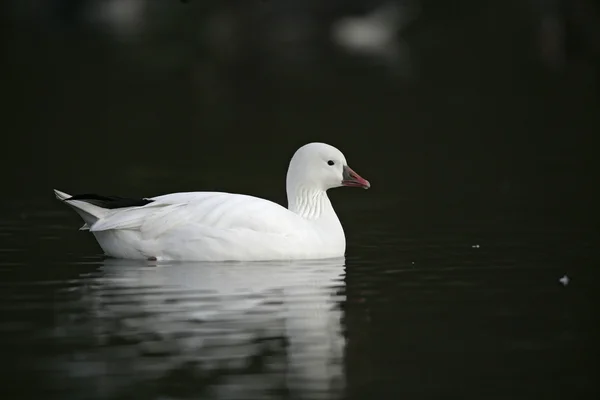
(219, 226)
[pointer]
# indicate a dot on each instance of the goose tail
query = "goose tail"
(90, 213)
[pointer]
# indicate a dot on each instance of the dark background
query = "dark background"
(480, 128)
(483, 118)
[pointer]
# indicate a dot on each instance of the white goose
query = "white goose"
(217, 226)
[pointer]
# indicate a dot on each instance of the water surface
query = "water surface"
(467, 311)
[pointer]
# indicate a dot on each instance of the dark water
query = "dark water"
(473, 310)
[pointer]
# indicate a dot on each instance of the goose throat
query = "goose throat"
(310, 203)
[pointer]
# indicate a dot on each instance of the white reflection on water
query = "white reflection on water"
(223, 330)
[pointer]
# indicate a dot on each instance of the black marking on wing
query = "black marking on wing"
(110, 202)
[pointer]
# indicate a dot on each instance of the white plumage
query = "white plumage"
(217, 226)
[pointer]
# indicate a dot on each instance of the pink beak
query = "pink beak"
(352, 179)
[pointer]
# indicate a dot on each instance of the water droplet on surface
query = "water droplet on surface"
(564, 280)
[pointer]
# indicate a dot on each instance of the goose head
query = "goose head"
(320, 167)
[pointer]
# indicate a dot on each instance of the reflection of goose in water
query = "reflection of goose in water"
(235, 330)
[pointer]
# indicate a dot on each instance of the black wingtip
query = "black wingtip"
(110, 202)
